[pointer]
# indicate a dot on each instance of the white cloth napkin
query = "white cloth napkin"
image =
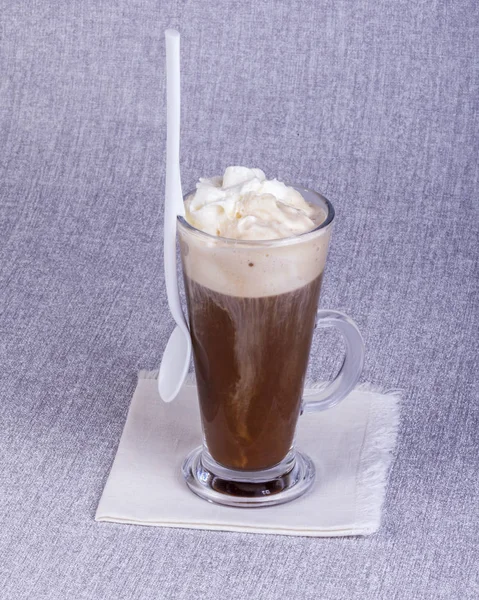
(351, 446)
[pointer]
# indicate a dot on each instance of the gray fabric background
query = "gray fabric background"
(372, 102)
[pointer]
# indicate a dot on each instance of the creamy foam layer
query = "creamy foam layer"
(252, 272)
(244, 205)
(244, 266)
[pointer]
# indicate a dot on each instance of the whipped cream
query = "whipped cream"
(244, 205)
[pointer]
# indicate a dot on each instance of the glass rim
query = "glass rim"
(292, 239)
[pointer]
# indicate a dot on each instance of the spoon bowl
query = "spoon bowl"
(174, 364)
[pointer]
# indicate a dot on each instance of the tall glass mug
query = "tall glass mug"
(253, 307)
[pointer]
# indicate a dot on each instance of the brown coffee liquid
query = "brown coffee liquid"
(250, 357)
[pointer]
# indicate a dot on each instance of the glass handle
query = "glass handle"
(351, 368)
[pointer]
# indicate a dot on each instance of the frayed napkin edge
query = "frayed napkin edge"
(377, 454)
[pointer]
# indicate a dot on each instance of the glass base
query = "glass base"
(284, 482)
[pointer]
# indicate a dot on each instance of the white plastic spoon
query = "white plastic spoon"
(177, 354)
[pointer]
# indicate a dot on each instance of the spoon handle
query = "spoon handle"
(174, 197)
(173, 180)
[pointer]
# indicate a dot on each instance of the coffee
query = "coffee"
(252, 305)
(251, 355)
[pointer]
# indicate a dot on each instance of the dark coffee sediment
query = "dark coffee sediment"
(250, 355)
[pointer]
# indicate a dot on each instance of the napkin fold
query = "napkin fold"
(351, 445)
